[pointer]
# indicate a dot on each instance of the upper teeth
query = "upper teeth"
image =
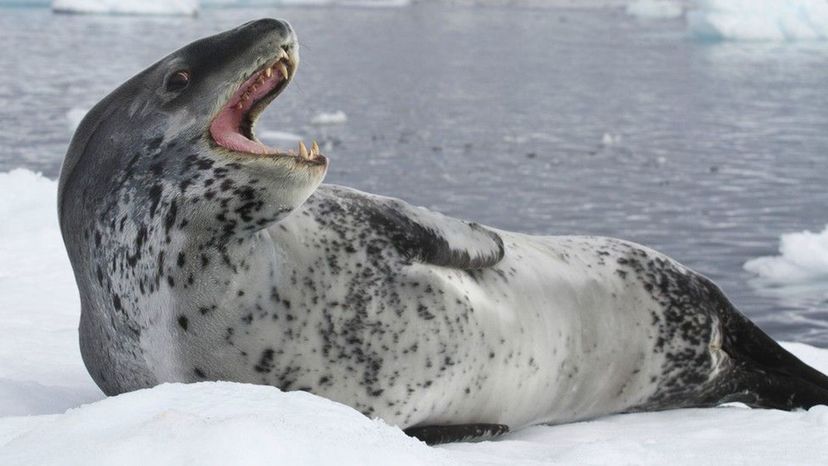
(279, 66)
(282, 69)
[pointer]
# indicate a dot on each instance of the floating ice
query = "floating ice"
(347, 3)
(268, 135)
(609, 139)
(663, 9)
(74, 118)
(802, 259)
(375, 3)
(127, 7)
(759, 20)
(25, 3)
(335, 118)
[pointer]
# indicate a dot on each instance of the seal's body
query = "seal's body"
(201, 254)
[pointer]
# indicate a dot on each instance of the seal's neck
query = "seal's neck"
(176, 230)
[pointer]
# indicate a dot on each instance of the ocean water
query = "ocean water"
(546, 121)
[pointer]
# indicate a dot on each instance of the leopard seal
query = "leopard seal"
(202, 254)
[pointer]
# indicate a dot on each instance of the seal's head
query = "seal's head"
(165, 189)
(181, 132)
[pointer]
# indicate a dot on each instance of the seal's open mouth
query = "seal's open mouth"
(232, 128)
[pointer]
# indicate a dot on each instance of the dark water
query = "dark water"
(499, 115)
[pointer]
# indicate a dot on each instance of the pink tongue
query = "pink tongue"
(226, 127)
(225, 131)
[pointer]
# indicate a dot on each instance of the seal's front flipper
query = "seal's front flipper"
(433, 435)
(419, 234)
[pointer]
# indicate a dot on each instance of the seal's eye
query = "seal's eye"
(178, 81)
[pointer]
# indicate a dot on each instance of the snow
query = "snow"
(333, 118)
(52, 413)
(40, 366)
(759, 20)
(663, 9)
(802, 259)
(223, 423)
(218, 423)
(127, 7)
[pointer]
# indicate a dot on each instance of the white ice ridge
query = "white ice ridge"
(127, 7)
(759, 20)
(802, 259)
(663, 9)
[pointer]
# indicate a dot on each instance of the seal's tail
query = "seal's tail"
(765, 375)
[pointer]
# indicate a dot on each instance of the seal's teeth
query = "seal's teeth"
(239, 105)
(282, 54)
(303, 151)
(283, 70)
(268, 72)
(314, 149)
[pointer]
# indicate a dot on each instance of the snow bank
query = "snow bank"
(225, 423)
(217, 423)
(759, 20)
(40, 366)
(335, 118)
(127, 7)
(42, 376)
(802, 259)
(663, 9)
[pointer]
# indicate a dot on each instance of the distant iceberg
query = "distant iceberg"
(74, 118)
(127, 7)
(25, 3)
(759, 20)
(329, 118)
(251, 3)
(802, 259)
(661, 9)
(352, 3)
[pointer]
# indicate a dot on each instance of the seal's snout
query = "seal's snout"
(278, 29)
(266, 25)
(273, 63)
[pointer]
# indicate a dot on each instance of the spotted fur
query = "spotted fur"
(197, 264)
